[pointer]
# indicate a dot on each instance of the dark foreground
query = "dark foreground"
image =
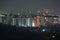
(13, 32)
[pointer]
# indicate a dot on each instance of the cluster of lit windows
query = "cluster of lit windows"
(32, 21)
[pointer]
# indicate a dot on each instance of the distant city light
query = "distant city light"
(43, 30)
(46, 11)
(55, 18)
(2, 15)
(45, 18)
(53, 36)
(38, 11)
(33, 24)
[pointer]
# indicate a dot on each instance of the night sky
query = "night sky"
(30, 5)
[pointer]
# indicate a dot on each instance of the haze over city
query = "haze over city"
(31, 6)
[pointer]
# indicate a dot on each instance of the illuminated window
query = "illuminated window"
(43, 30)
(33, 23)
